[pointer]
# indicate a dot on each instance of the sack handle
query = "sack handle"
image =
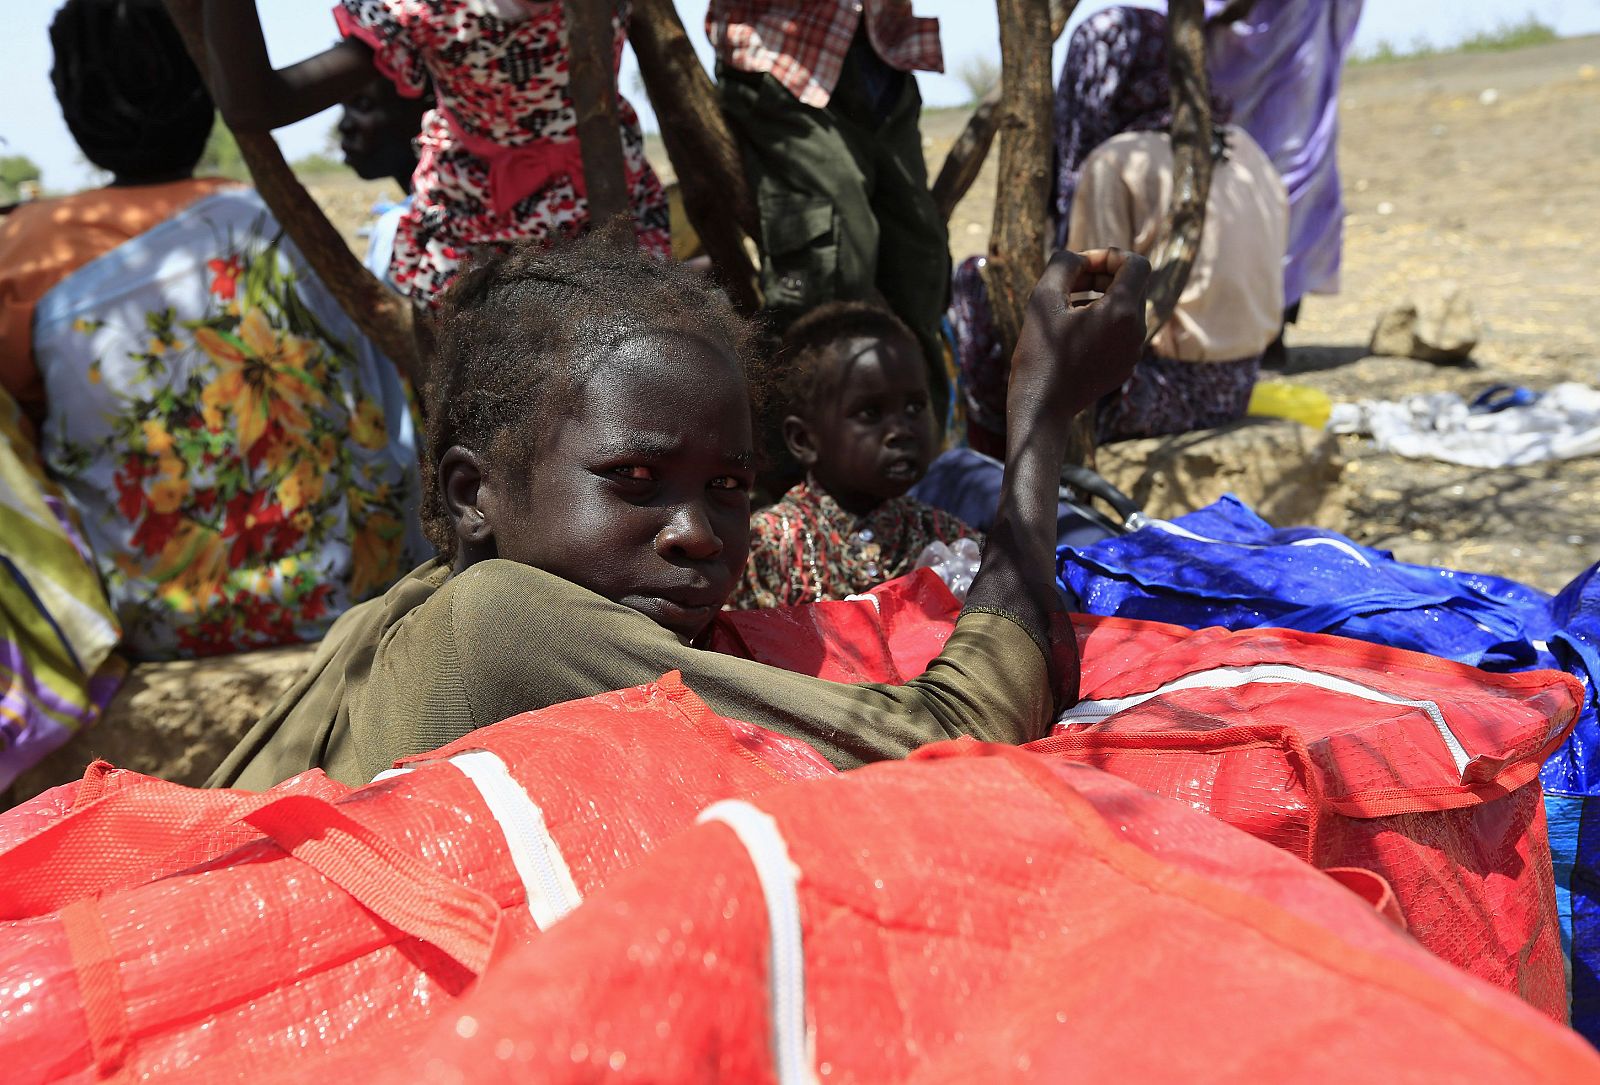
(397, 887)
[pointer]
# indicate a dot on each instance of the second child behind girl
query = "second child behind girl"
(861, 425)
(498, 157)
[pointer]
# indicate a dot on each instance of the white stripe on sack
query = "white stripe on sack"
(763, 840)
(1281, 673)
(1140, 520)
(546, 878)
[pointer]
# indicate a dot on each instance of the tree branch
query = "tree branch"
(966, 157)
(594, 98)
(1021, 214)
(1178, 241)
(702, 149)
(382, 316)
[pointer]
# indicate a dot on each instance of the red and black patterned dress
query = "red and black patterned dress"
(806, 548)
(498, 158)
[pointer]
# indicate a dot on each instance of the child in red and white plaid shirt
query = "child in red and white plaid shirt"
(823, 102)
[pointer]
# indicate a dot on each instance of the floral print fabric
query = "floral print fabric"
(242, 459)
(502, 88)
(806, 548)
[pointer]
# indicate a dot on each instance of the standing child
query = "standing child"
(499, 159)
(862, 427)
(822, 100)
(377, 135)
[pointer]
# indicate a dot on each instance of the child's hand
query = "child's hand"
(1068, 356)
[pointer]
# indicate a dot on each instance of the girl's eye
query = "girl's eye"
(868, 414)
(916, 407)
(729, 482)
(633, 473)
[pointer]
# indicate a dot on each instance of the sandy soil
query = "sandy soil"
(1443, 180)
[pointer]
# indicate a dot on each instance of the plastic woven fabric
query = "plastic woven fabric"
(978, 914)
(341, 925)
(1343, 753)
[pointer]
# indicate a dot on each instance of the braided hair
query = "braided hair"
(130, 95)
(517, 335)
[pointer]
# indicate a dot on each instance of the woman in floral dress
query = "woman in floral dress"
(498, 158)
(199, 453)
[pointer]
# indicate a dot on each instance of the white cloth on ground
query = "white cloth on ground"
(1562, 424)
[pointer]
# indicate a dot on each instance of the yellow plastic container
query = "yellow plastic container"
(1297, 402)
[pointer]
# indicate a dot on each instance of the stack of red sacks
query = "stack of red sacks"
(1343, 753)
(159, 931)
(537, 902)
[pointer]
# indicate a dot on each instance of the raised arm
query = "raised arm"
(1067, 357)
(255, 97)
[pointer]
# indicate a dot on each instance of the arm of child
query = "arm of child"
(501, 638)
(1066, 359)
(255, 97)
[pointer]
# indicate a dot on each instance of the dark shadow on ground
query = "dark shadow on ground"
(1312, 359)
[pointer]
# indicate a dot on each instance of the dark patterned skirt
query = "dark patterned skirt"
(1167, 396)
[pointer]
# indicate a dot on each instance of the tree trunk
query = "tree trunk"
(1179, 238)
(1018, 243)
(383, 316)
(703, 151)
(971, 148)
(594, 98)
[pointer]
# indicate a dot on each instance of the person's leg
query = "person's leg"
(819, 237)
(913, 272)
(1168, 396)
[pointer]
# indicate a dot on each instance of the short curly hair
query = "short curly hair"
(519, 331)
(812, 369)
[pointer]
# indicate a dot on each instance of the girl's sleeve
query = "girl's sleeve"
(393, 30)
(521, 639)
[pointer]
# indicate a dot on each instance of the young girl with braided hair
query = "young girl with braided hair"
(592, 456)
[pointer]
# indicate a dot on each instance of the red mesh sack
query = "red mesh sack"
(887, 635)
(350, 922)
(1343, 753)
(1350, 754)
(979, 913)
(116, 828)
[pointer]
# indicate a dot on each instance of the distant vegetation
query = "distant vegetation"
(980, 73)
(221, 158)
(16, 170)
(1503, 38)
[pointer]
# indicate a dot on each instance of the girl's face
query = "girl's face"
(642, 493)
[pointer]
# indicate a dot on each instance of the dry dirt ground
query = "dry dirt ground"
(1483, 169)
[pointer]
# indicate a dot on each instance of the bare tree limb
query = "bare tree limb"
(1178, 241)
(594, 98)
(966, 157)
(383, 316)
(704, 155)
(1021, 219)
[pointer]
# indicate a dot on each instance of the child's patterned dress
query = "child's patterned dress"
(806, 548)
(498, 159)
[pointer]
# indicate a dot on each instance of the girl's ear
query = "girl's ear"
(461, 482)
(801, 441)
